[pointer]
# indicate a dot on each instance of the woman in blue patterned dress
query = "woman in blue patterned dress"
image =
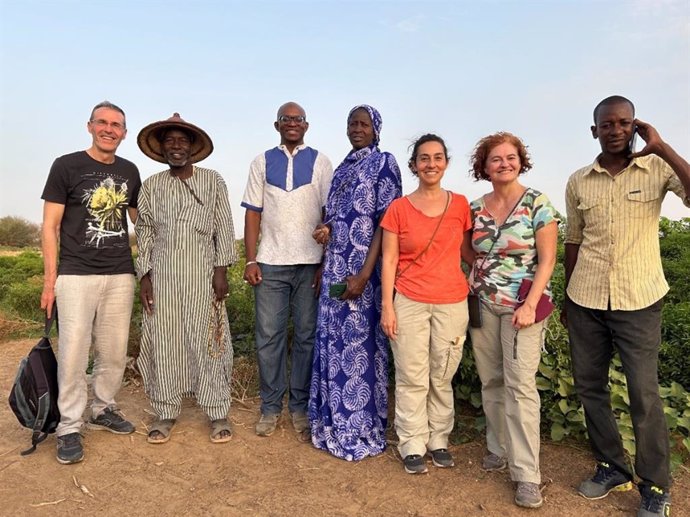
(348, 403)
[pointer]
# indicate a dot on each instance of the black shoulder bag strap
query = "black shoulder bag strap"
(448, 199)
(49, 321)
(496, 237)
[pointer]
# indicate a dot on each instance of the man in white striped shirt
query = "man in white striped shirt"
(615, 287)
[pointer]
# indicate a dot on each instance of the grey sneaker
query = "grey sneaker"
(69, 448)
(266, 425)
(415, 464)
(655, 502)
(492, 462)
(442, 458)
(528, 495)
(606, 479)
(300, 421)
(111, 420)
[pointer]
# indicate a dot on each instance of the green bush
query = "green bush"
(19, 232)
(675, 344)
(562, 415)
(240, 306)
(16, 269)
(674, 352)
(674, 243)
(21, 284)
(23, 299)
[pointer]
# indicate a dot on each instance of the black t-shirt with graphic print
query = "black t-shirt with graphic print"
(93, 232)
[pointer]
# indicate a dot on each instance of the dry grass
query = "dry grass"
(245, 379)
(12, 252)
(244, 382)
(10, 328)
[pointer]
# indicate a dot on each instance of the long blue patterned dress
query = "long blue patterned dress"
(348, 403)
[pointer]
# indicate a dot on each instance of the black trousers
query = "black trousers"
(594, 336)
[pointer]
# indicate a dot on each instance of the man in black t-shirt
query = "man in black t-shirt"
(87, 197)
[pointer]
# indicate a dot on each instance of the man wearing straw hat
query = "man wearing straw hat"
(286, 190)
(186, 241)
(87, 197)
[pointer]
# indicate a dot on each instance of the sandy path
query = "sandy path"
(275, 476)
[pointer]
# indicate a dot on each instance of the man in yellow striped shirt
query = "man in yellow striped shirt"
(615, 287)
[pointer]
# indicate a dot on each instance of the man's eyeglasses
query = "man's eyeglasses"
(100, 123)
(298, 119)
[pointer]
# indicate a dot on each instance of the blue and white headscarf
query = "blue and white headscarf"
(376, 120)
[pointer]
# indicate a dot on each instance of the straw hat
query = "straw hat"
(150, 144)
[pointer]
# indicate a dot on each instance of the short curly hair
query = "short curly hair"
(484, 147)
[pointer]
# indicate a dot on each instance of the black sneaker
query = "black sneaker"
(415, 464)
(69, 448)
(111, 420)
(606, 479)
(441, 458)
(655, 502)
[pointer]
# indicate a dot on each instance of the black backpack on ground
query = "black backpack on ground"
(34, 394)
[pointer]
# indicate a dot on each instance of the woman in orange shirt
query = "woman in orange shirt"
(427, 318)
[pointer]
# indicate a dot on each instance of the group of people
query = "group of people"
(357, 267)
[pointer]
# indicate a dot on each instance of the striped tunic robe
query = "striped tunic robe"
(182, 234)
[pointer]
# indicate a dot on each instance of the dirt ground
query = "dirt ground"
(275, 476)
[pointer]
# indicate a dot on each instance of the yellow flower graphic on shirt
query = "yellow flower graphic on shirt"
(106, 204)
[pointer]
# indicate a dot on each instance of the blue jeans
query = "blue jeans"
(285, 290)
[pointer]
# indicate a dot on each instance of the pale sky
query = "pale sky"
(460, 69)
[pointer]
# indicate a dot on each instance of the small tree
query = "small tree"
(19, 232)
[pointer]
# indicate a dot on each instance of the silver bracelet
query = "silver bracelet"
(250, 263)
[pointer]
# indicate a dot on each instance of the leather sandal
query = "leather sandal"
(221, 431)
(160, 431)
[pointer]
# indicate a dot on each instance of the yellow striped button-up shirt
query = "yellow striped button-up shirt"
(615, 220)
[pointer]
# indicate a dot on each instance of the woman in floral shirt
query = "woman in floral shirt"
(514, 238)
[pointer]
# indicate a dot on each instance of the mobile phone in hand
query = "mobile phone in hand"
(337, 290)
(633, 139)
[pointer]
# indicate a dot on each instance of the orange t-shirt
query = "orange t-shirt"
(436, 276)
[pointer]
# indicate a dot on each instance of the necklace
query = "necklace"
(498, 211)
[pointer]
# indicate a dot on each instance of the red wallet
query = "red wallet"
(544, 305)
